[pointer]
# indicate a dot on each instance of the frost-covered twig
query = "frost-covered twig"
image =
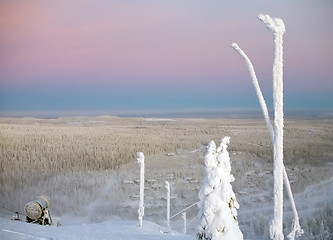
(141, 210)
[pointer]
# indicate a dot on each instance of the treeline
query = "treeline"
(30, 151)
(34, 148)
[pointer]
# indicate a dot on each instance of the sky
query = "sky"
(88, 55)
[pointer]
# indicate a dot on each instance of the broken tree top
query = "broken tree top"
(276, 25)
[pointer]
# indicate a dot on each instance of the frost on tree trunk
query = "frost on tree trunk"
(218, 205)
(277, 27)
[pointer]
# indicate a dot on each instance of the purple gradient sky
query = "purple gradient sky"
(104, 55)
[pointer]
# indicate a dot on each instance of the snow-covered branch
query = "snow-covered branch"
(296, 231)
(257, 89)
(277, 27)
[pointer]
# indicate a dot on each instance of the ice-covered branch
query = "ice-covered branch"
(257, 89)
(277, 27)
(297, 231)
(296, 227)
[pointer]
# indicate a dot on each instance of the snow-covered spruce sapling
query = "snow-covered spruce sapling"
(218, 205)
(141, 210)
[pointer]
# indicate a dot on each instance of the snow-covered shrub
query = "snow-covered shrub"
(218, 205)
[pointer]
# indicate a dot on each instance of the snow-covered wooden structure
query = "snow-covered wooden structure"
(141, 210)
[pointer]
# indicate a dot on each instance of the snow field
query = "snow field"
(117, 230)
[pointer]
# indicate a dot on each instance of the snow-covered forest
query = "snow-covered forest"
(88, 168)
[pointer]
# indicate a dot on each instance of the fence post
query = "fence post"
(141, 161)
(184, 218)
(167, 186)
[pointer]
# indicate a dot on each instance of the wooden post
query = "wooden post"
(167, 186)
(141, 211)
(184, 218)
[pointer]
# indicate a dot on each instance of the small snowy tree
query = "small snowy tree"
(218, 205)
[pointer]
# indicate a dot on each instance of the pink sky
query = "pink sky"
(161, 43)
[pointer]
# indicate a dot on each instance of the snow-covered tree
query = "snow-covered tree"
(277, 27)
(218, 205)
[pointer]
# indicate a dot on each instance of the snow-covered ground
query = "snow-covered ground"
(114, 229)
(309, 201)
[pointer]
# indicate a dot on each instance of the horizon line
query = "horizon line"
(252, 112)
